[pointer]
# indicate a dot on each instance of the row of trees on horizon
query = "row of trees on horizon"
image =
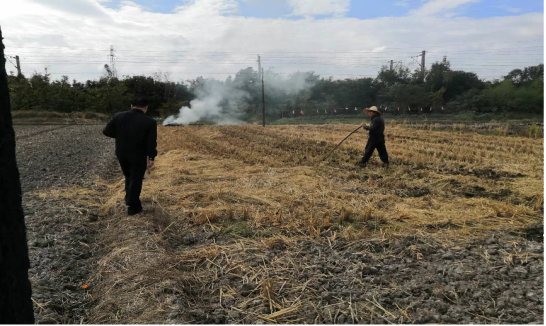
(458, 91)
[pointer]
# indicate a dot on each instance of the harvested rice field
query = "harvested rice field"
(246, 225)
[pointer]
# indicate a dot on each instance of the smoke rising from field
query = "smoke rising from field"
(225, 103)
(294, 83)
(216, 102)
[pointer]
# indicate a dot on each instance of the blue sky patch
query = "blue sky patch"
(361, 9)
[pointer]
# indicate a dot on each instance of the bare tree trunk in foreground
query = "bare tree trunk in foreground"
(15, 291)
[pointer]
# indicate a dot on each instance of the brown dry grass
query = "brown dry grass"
(220, 197)
(475, 182)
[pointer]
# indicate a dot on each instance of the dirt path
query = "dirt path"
(60, 233)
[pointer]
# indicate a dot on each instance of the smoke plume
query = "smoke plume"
(216, 102)
(223, 102)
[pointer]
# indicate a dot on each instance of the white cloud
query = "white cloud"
(438, 6)
(319, 7)
(402, 3)
(513, 10)
(186, 42)
(78, 7)
(208, 7)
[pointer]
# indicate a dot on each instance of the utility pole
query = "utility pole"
(391, 64)
(263, 99)
(445, 59)
(17, 64)
(259, 66)
(259, 75)
(113, 62)
(423, 65)
(19, 74)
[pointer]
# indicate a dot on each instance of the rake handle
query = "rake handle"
(349, 135)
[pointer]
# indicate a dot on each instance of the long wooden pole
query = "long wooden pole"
(349, 135)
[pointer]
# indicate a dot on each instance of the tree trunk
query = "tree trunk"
(15, 291)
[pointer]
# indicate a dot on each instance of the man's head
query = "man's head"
(140, 103)
(372, 112)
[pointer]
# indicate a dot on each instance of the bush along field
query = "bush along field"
(245, 224)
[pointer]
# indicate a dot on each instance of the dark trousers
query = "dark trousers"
(133, 170)
(376, 142)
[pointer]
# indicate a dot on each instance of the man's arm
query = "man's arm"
(151, 142)
(110, 129)
(373, 126)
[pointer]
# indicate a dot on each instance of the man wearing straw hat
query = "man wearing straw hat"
(376, 138)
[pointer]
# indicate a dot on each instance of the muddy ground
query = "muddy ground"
(497, 279)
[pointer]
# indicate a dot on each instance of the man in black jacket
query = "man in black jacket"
(136, 141)
(376, 138)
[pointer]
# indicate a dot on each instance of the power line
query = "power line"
(357, 51)
(271, 52)
(206, 73)
(357, 60)
(287, 57)
(8, 58)
(277, 64)
(323, 74)
(384, 56)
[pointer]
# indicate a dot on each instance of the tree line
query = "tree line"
(458, 91)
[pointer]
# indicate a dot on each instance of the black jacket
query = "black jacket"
(135, 134)
(377, 127)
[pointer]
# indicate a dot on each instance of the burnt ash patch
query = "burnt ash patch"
(534, 232)
(410, 280)
(490, 173)
(477, 191)
(61, 233)
(483, 173)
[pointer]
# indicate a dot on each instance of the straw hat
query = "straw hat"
(372, 109)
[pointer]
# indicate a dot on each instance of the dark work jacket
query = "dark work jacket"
(135, 134)
(377, 127)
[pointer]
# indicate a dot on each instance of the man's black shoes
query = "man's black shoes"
(360, 164)
(363, 165)
(131, 211)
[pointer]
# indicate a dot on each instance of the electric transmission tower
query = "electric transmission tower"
(112, 57)
(422, 63)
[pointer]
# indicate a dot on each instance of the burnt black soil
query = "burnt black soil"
(60, 232)
(492, 280)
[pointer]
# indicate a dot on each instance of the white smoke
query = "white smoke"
(206, 109)
(220, 102)
(291, 84)
(216, 102)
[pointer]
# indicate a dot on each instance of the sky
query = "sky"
(184, 39)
